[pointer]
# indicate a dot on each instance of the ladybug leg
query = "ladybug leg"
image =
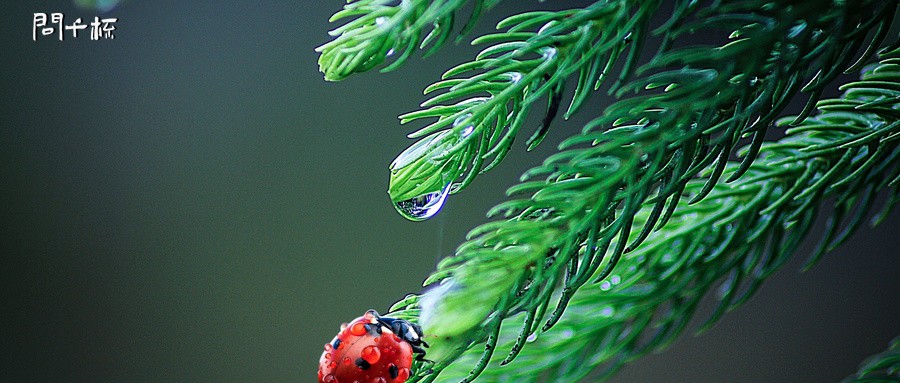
(420, 353)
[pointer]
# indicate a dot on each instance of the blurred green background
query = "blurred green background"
(192, 202)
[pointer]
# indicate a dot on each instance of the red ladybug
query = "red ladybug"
(372, 349)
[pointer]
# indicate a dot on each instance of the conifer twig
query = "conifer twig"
(380, 29)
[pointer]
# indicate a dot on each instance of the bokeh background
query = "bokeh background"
(192, 202)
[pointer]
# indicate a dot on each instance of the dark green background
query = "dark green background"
(192, 202)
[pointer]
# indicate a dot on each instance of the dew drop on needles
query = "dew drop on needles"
(422, 169)
(417, 151)
(423, 206)
(465, 132)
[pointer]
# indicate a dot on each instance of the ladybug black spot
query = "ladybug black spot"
(361, 363)
(336, 344)
(392, 369)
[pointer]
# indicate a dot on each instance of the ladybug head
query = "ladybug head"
(406, 330)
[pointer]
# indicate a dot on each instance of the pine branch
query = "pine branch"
(742, 232)
(712, 95)
(531, 60)
(678, 119)
(379, 29)
(591, 194)
(882, 367)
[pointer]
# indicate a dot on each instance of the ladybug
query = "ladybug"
(372, 349)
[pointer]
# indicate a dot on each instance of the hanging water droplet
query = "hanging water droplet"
(423, 206)
(416, 151)
(390, 52)
(531, 338)
(380, 20)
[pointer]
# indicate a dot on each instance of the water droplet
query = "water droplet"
(390, 52)
(330, 379)
(380, 20)
(346, 360)
(327, 346)
(468, 129)
(417, 150)
(423, 206)
(567, 333)
(532, 337)
(370, 354)
(615, 279)
(344, 326)
(607, 311)
(548, 52)
(605, 285)
(460, 119)
(358, 329)
(402, 375)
